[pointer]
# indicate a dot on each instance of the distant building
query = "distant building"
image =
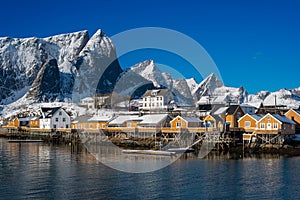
(158, 99)
(54, 117)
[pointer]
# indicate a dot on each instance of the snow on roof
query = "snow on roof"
(119, 120)
(254, 104)
(192, 119)
(283, 119)
(220, 111)
(153, 119)
(102, 118)
(24, 119)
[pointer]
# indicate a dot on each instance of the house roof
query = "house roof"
(217, 118)
(102, 118)
(221, 110)
(280, 118)
(24, 119)
(189, 119)
(232, 109)
(160, 92)
(83, 118)
(153, 119)
(254, 116)
(283, 119)
(192, 119)
(49, 112)
(119, 120)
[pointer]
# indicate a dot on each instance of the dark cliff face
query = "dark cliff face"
(63, 59)
(46, 86)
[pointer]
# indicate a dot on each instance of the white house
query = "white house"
(54, 117)
(157, 99)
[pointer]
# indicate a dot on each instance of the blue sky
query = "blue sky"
(255, 44)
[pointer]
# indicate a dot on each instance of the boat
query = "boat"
(24, 141)
(181, 150)
(149, 152)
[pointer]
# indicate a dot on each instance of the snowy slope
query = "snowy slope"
(78, 57)
(149, 71)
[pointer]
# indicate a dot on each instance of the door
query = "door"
(269, 126)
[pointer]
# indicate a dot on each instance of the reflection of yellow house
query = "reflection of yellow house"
(294, 115)
(248, 122)
(274, 124)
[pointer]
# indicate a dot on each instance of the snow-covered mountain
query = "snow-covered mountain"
(78, 58)
(211, 89)
(146, 75)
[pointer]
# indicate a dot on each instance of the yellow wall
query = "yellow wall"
(241, 123)
(233, 119)
(132, 123)
(178, 119)
(269, 119)
(290, 114)
(34, 123)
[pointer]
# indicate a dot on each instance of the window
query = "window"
(67, 126)
(145, 105)
(91, 125)
(129, 124)
(64, 119)
(145, 99)
(247, 124)
(103, 126)
(60, 113)
(56, 119)
(161, 98)
(262, 125)
(157, 98)
(160, 103)
(293, 118)
(54, 126)
(275, 126)
(293, 127)
(178, 124)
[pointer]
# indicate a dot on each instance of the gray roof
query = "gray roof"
(153, 119)
(160, 92)
(257, 117)
(191, 119)
(49, 112)
(119, 120)
(283, 119)
(83, 118)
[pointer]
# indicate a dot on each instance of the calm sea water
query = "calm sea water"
(43, 171)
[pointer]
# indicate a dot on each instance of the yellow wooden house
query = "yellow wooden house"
(294, 115)
(233, 114)
(214, 121)
(248, 122)
(275, 124)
